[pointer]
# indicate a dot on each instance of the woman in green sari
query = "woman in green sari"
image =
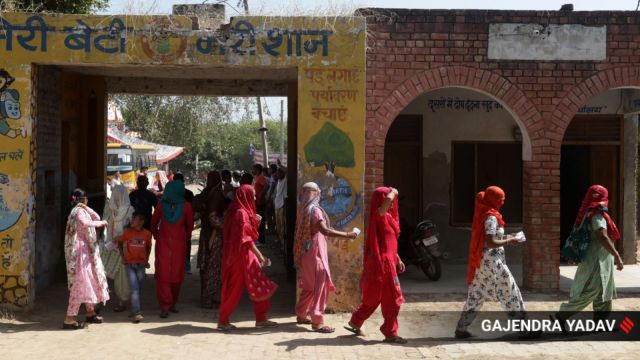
(593, 282)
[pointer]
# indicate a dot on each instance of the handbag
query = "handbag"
(577, 242)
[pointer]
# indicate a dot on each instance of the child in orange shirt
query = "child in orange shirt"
(135, 244)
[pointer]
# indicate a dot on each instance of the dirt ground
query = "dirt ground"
(192, 334)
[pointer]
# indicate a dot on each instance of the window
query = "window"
(118, 160)
(477, 165)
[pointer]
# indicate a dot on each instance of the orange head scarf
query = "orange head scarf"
(488, 203)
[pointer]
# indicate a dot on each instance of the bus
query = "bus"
(128, 159)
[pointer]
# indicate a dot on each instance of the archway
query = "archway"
(598, 124)
(602, 111)
(439, 134)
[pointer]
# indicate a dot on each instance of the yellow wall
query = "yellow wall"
(329, 54)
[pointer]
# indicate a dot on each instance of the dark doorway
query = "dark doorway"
(403, 164)
(590, 154)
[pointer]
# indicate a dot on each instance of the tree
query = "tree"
(56, 6)
(207, 126)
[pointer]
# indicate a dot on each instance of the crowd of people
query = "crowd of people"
(235, 210)
(161, 208)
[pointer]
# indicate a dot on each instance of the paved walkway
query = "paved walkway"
(454, 279)
(191, 333)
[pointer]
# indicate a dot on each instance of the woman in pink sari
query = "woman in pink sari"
(311, 258)
(242, 262)
(85, 273)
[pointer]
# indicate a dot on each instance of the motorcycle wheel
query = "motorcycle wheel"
(430, 266)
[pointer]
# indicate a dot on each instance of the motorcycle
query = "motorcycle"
(419, 246)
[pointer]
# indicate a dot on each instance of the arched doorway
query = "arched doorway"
(600, 146)
(620, 85)
(443, 147)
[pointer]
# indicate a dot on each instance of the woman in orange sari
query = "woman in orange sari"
(488, 276)
(242, 262)
(379, 283)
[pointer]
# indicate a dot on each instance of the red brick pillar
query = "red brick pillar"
(541, 203)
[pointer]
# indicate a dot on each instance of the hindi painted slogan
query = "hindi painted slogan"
(83, 37)
(242, 39)
(12, 155)
(6, 244)
(458, 104)
(327, 89)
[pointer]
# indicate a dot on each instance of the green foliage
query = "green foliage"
(56, 6)
(207, 126)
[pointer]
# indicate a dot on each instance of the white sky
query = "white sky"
(285, 7)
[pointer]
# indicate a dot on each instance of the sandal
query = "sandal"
(74, 326)
(395, 340)
(164, 314)
(266, 324)
(300, 321)
(95, 319)
(323, 329)
(355, 330)
(462, 334)
(226, 327)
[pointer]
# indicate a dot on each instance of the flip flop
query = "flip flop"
(303, 321)
(356, 331)
(227, 327)
(75, 326)
(95, 319)
(267, 324)
(324, 329)
(395, 340)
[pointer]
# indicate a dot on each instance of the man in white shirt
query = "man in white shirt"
(280, 202)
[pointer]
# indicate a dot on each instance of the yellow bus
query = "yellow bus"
(128, 160)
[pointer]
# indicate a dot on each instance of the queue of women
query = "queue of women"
(230, 262)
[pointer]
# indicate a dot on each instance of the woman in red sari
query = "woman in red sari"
(242, 262)
(171, 225)
(379, 283)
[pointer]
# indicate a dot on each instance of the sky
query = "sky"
(285, 7)
(344, 7)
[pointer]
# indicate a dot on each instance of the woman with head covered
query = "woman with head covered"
(488, 276)
(242, 262)
(593, 282)
(171, 225)
(311, 258)
(379, 282)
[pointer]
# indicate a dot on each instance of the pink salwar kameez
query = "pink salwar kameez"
(314, 274)
(86, 277)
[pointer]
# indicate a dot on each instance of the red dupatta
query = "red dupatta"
(596, 201)
(372, 254)
(240, 225)
(240, 231)
(487, 204)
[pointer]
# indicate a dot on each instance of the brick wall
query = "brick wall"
(49, 241)
(414, 51)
